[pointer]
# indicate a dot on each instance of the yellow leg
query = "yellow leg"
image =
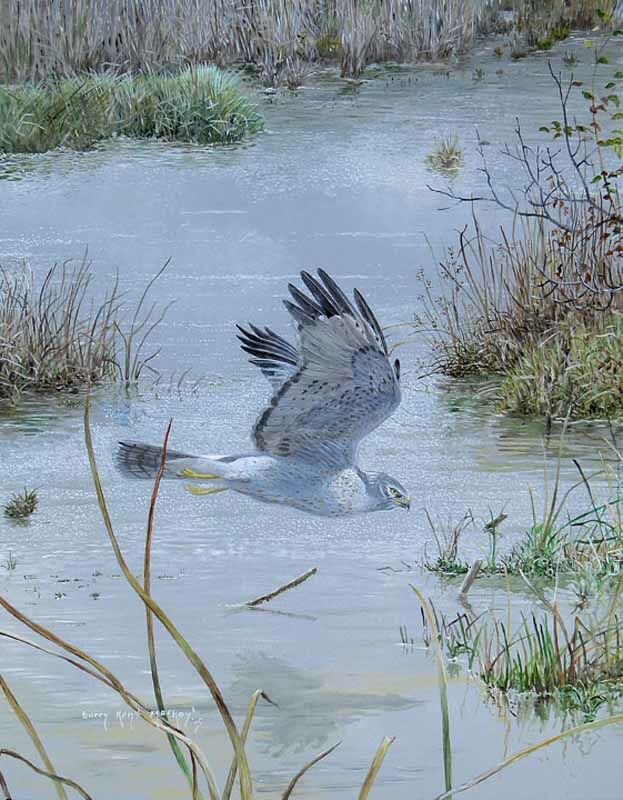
(200, 490)
(203, 476)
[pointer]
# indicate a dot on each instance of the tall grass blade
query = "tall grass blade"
(58, 779)
(194, 659)
(34, 736)
(4, 788)
(443, 690)
(375, 766)
(231, 777)
(303, 770)
(533, 748)
(151, 645)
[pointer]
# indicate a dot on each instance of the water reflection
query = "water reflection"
(310, 712)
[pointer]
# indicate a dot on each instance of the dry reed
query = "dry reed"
(55, 337)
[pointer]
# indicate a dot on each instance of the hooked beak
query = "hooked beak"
(403, 501)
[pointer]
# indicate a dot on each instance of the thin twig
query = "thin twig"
(265, 598)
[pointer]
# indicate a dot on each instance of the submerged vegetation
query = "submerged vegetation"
(199, 104)
(54, 337)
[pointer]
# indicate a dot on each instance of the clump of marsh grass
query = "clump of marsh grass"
(577, 665)
(446, 156)
(49, 338)
(10, 563)
(581, 671)
(198, 104)
(21, 504)
(72, 112)
(583, 548)
(447, 536)
(54, 337)
(505, 310)
(579, 369)
(570, 59)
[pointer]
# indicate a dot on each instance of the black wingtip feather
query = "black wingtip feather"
(299, 315)
(368, 315)
(320, 294)
(308, 305)
(337, 295)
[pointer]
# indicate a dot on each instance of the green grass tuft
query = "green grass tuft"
(199, 104)
(72, 112)
(502, 314)
(446, 156)
(22, 504)
(579, 372)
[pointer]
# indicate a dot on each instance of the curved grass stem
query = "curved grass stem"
(246, 790)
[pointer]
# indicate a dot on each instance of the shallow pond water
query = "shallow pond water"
(338, 180)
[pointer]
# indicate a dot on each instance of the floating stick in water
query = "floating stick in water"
(265, 598)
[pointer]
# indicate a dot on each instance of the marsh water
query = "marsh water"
(337, 180)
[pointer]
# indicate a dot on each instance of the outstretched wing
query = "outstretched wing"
(273, 354)
(343, 384)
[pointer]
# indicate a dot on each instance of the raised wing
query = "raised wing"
(344, 385)
(273, 354)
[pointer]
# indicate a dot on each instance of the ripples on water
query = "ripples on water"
(338, 180)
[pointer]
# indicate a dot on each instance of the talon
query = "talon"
(200, 490)
(203, 476)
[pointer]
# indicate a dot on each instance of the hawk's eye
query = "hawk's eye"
(393, 492)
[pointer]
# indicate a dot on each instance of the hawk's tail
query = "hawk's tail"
(138, 460)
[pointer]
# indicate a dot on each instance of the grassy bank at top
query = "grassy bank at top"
(199, 104)
(39, 39)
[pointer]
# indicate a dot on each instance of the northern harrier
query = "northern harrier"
(330, 391)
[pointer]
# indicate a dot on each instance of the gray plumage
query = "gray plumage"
(329, 392)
